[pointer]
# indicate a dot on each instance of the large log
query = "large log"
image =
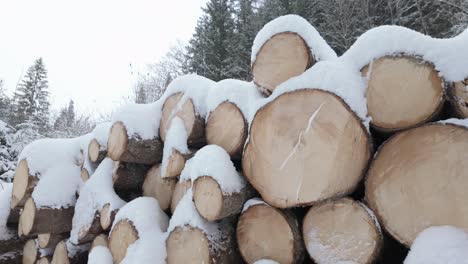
(180, 190)
(342, 231)
(419, 179)
(129, 176)
(135, 150)
(402, 92)
(23, 184)
(264, 232)
(34, 221)
(194, 123)
(304, 147)
(65, 253)
(32, 253)
(282, 57)
(50, 240)
(213, 203)
(458, 95)
(95, 152)
(122, 236)
(157, 187)
(87, 233)
(227, 128)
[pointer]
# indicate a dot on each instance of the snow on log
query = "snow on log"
(32, 253)
(185, 98)
(97, 147)
(39, 220)
(229, 107)
(157, 187)
(285, 47)
(180, 189)
(129, 176)
(100, 255)
(403, 92)
(439, 244)
(66, 252)
(98, 192)
(219, 190)
(342, 231)
(175, 151)
(264, 232)
(458, 95)
(418, 179)
(100, 240)
(138, 237)
(192, 239)
(135, 149)
(50, 240)
(314, 137)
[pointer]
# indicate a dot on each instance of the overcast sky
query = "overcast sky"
(88, 45)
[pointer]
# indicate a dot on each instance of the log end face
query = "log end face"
(118, 140)
(459, 98)
(100, 240)
(157, 187)
(30, 252)
(122, 236)
(93, 150)
(175, 164)
(84, 174)
(105, 218)
(179, 191)
(20, 183)
(43, 240)
(208, 198)
(28, 216)
(61, 254)
(187, 245)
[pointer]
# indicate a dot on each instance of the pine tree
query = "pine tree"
(71, 114)
(31, 98)
(210, 52)
(4, 103)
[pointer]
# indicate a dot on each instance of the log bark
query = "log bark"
(34, 221)
(179, 191)
(63, 255)
(87, 233)
(458, 95)
(283, 56)
(191, 245)
(95, 153)
(122, 236)
(23, 185)
(264, 232)
(129, 176)
(341, 231)
(157, 187)
(50, 240)
(194, 123)
(213, 203)
(176, 163)
(13, 243)
(100, 240)
(226, 127)
(418, 179)
(134, 150)
(14, 216)
(402, 92)
(295, 143)
(107, 217)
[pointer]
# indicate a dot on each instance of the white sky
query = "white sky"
(88, 45)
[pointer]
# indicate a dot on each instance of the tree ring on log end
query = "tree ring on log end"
(208, 197)
(188, 245)
(118, 140)
(123, 234)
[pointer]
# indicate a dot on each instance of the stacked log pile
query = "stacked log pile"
(318, 160)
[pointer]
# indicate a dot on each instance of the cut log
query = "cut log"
(305, 146)
(87, 233)
(64, 255)
(227, 128)
(34, 221)
(194, 123)
(342, 231)
(458, 95)
(23, 185)
(282, 57)
(179, 191)
(50, 240)
(84, 174)
(176, 163)
(129, 176)
(95, 153)
(107, 217)
(402, 92)
(32, 253)
(134, 150)
(100, 240)
(418, 179)
(122, 236)
(44, 260)
(214, 204)
(157, 187)
(264, 232)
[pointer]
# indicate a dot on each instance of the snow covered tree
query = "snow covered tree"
(211, 51)
(31, 98)
(71, 113)
(4, 103)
